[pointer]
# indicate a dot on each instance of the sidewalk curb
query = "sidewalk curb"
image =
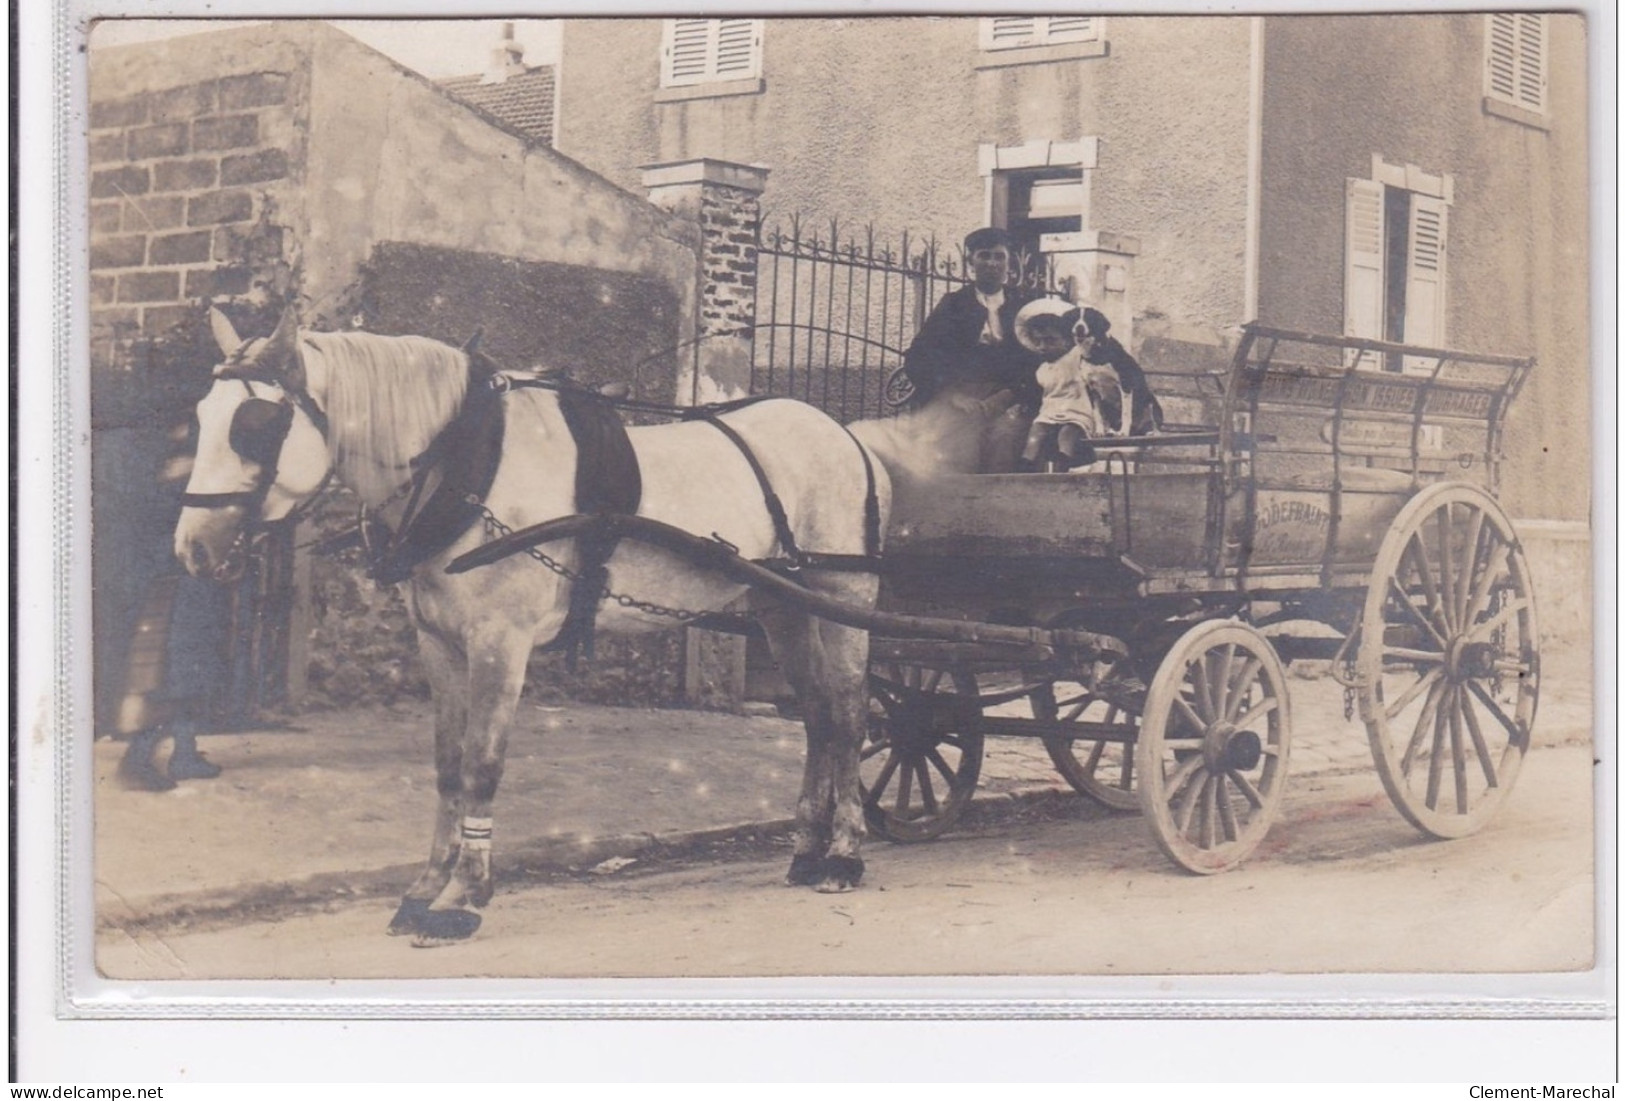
(527, 863)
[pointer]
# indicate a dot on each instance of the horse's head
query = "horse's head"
(261, 447)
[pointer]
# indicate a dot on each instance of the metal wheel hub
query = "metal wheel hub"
(1225, 748)
(1470, 661)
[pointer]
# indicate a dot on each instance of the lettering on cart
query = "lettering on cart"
(1289, 531)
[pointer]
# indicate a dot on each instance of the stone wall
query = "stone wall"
(187, 188)
(285, 161)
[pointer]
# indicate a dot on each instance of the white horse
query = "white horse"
(287, 411)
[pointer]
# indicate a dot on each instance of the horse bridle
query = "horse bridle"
(259, 428)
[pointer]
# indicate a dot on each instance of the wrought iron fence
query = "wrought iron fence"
(834, 314)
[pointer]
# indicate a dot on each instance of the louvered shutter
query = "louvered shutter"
(1362, 262)
(1071, 28)
(739, 44)
(1425, 278)
(1007, 32)
(1515, 59)
(699, 50)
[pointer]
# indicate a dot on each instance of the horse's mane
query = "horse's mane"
(962, 430)
(387, 398)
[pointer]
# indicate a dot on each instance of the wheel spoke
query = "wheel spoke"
(1434, 776)
(1480, 746)
(1093, 762)
(1187, 809)
(1486, 579)
(1480, 631)
(1189, 715)
(941, 765)
(1241, 687)
(1423, 721)
(1210, 813)
(889, 693)
(1182, 775)
(1417, 551)
(1458, 752)
(1514, 728)
(886, 771)
(1204, 692)
(1416, 613)
(1258, 710)
(873, 748)
(1410, 694)
(1446, 588)
(928, 794)
(1245, 786)
(1469, 560)
(932, 680)
(1222, 686)
(1408, 654)
(905, 789)
(1227, 813)
(1127, 769)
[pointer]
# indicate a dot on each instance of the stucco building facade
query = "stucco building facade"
(1415, 178)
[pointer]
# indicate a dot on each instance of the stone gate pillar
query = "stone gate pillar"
(724, 200)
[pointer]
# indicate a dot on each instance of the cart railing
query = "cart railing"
(1323, 437)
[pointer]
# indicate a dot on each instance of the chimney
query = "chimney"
(508, 59)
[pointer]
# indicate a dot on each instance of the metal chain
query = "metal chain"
(498, 528)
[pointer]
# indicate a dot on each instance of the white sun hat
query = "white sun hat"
(1040, 307)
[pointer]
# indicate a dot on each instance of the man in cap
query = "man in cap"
(970, 335)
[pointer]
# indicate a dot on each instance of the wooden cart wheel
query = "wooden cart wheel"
(1104, 771)
(1449, 660)
(924, 753)
(1212, 753)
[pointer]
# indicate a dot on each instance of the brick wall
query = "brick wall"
(729, 217)
(183, 205)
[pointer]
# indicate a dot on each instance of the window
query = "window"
(1515, 58)
(1027, 39)
(1032, 202)
(707, 51)
(1394, 272)
(1038, 189)
(1001, 32)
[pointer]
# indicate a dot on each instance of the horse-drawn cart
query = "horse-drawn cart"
(1341, 510)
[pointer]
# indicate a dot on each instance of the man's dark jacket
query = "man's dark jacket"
(948, 346)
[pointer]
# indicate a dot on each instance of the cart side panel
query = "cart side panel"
(1159, 519)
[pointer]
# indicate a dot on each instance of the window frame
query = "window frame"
(711, 79)
(1507, 88)
(1044, 42)
(1368, 271)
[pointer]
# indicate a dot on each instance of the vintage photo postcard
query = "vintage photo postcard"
(1098, 504)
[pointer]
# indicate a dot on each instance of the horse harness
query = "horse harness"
(450, 478)
(600, 434)
(259, 428)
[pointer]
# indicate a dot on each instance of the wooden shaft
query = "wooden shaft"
(713, 555)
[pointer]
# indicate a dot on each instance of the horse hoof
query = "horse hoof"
(409, 917)
(841, 873)
(440, 927)
(805, 870)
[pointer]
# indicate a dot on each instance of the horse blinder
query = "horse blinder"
(258, 429)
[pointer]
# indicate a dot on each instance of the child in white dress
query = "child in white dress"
(1082, 400)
